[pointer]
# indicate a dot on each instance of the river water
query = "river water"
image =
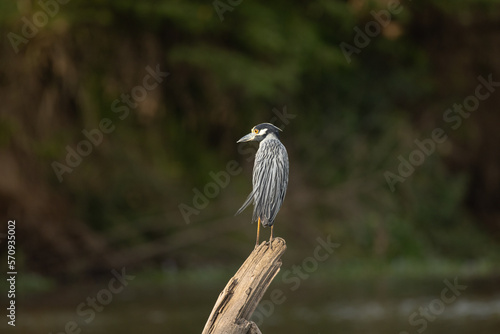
(403, 306)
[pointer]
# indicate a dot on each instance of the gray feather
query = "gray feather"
(270, 181)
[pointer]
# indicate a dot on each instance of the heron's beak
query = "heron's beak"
(248, 137)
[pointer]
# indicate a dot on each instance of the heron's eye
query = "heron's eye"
(255, 131)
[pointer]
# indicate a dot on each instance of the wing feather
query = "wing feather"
(270, 181)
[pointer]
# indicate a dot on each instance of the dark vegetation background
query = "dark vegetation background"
(120, 206)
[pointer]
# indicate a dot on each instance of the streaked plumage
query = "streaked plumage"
(270, 175)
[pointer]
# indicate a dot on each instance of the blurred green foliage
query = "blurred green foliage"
(352, 121)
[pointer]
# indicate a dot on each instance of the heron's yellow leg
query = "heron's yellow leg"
(271, 238)
(258, 232)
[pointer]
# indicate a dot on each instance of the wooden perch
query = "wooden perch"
(243, 292)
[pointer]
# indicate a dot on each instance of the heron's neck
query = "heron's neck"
(270, 136)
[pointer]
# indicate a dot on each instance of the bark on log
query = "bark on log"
(243, 292)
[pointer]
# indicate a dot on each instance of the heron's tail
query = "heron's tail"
(247, 203)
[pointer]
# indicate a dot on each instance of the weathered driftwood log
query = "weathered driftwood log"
(243, 292)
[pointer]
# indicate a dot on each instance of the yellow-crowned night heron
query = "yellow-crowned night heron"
(270, 176)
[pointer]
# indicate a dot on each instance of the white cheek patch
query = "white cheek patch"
(263, 132)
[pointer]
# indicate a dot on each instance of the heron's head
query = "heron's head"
(261, 131)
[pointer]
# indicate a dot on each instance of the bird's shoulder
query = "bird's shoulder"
(271, 149)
